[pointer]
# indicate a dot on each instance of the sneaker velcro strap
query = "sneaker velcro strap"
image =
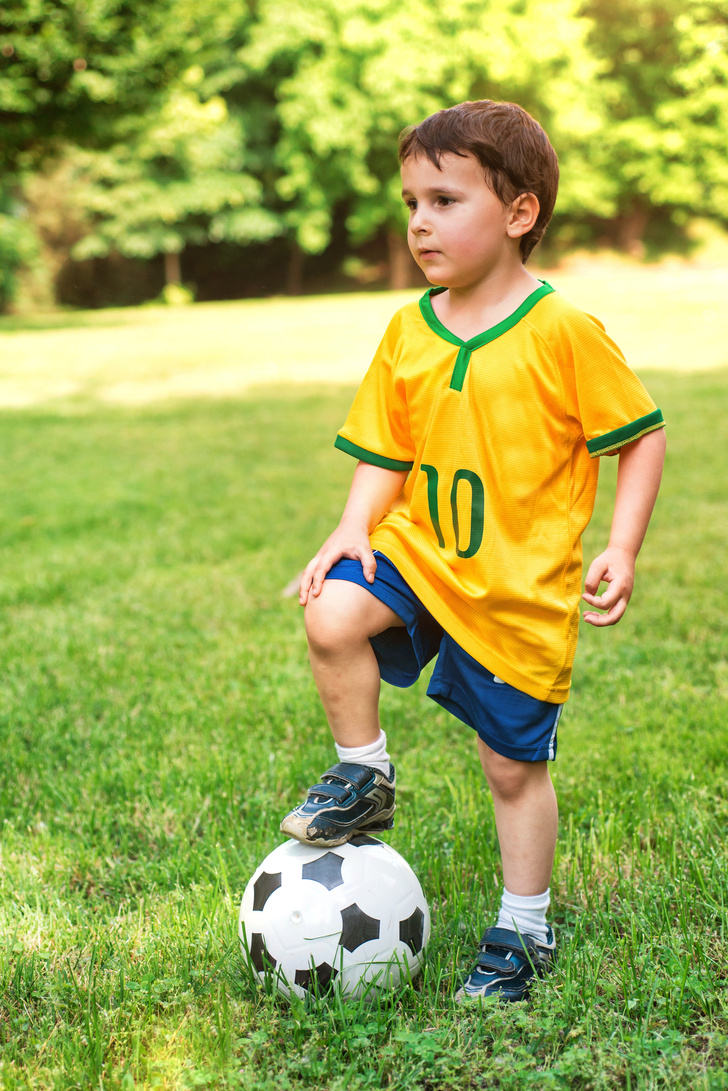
(511, 941)
(490, 962)
(356, 776)
(330, 791)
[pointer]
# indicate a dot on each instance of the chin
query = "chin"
(434, 278)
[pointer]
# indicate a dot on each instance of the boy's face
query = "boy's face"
(459, 232)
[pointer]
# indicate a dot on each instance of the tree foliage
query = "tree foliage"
(18, 245)
(353, 73)
(664, 80)
(72, 69)
(185, 123)
(184, 180)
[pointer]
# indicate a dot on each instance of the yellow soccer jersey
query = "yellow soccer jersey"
(499, 435)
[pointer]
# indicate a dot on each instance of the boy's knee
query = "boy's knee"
(333, 619)
(508, 778)
(325, 629)
(345, 615)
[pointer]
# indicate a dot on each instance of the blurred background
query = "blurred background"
(185, 150)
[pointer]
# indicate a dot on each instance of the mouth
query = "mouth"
(427, 254)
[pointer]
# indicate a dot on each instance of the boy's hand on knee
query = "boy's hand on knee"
(372, 491)
(615, 567)
(346, 541)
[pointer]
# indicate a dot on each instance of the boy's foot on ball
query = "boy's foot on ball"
(506, 966)
(349, 799)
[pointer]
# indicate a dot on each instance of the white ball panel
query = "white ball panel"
(300, 921)
(301, 918)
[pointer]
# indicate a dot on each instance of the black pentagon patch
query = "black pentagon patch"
(358, 927)
(259, 954)
(263, 887)
(323, 974)
(326, 870)
(363, 839)
(412, 931)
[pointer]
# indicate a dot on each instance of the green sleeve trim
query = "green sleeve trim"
(611, 441)
(369, 456)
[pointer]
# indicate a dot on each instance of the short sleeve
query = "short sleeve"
(611, 403)
(377, 427)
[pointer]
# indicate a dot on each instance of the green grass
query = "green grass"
(157, 716)
(670, 316)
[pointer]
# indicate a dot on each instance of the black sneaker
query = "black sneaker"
(350, 799)
(506, 966)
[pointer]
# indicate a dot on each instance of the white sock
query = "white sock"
(525, 915)
(374, 754)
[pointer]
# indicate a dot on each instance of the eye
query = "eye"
(445, 201)
(411, 203)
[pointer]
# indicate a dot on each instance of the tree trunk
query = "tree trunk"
(172, 269)
(630, 230)
(294, 275)
(401, 262)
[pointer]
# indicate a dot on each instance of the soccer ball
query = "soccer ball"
(353, 917)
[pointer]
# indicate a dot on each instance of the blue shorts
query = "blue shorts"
(511, 722)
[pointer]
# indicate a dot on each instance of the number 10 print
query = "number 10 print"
(477, 508)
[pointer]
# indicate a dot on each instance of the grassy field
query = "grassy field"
(670, 316)
(157, 716)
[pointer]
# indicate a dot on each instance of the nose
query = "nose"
(418, 221)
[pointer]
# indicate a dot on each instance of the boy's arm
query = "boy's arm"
(372, 492)
(638, 479)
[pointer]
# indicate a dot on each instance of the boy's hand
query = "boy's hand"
(372, 491)
(615, 567)
(638, 479)
(346, 541)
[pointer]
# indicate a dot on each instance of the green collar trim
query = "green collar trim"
(468, 347)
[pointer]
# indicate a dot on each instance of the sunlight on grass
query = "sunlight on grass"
(671, 316)
(210, 349)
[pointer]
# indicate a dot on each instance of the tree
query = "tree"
(353, 73)
(72, 70)
(182, 180)
(18, 245)
(664, 82)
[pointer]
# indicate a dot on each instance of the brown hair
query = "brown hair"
(511, 146)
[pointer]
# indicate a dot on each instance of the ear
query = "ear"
(522, 215)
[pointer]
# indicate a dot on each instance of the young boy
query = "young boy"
(477, 429)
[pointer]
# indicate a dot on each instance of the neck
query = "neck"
(469, 310)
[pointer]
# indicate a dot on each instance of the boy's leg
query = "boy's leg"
(526, 818)
(357, 794)
(339, 623)
(526, 815)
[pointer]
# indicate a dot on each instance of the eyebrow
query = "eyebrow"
(448, 191)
